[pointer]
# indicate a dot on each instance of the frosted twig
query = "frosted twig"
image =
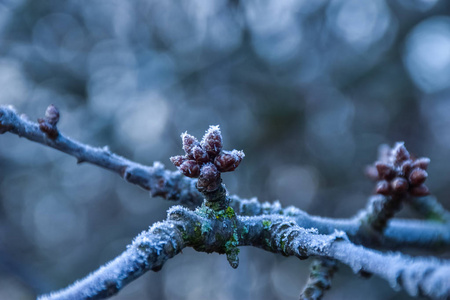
(160, 182)
(430, 208)
(321, 273)
(149, 251)
(418, 276)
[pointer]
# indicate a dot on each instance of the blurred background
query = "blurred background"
(308, 89)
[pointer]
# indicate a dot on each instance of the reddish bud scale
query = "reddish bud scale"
(188, 143)
(50, 130)
(178, 160)
(212, 141)
(383, 188)
(421, 163)
(400, 153)
(406, 167)
(399, 185)
(199, 154)
(417, 176)
(209, 179)
(419, 191)
(385, 171)
(228, 160)
(190, 168)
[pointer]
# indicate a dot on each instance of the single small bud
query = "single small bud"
(52, 115)
(190, 168)
(385, 171)
(383, 188)
(189, 142)
(200, 154)
(228, 161)
(178, 160)
(419, 191)
(399, 185)
(400, 153)
(421, 163)
(418, 176)
(212, 141)
(209, 179)
(406, 167)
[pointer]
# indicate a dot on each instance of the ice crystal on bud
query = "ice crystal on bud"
(399, 153)
(200, 154)
(212, 140)
(178, 160)
(398, 173)
(188, 143)
(228, 161)
(48, 124)
(52, 115)
(190, 168)
(209, 179)
(206, 160)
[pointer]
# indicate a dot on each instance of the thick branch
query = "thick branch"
(417, 276)
(149, 251)
(209, 231)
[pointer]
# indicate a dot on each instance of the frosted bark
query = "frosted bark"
(173, 186)
(206, 231)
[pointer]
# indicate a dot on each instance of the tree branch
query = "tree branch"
(418, 276)
(160, 182)
(209, 231)
(149, 251)
(174, 186)
(322, 270)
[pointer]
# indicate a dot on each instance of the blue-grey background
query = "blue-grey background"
(308, 89)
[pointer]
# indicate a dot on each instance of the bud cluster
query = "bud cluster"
(397, 172)
(205, 160)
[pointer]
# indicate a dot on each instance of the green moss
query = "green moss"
(206, 227)
(244, 231)
(267, 224)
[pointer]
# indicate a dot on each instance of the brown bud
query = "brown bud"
(188, 143)
(52, 115)
(228, 161)
(383, 188)
(178, 160)
(50, 130)
(406, 167)
(421, 163)
(212, 141)
(199, 154)
(400, 153)
(418, 176)
(190, 168)
(385, 171)
(419, 191)
(399, 185)
(209, 179)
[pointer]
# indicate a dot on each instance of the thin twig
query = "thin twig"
(430, 208)
(321, 273)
